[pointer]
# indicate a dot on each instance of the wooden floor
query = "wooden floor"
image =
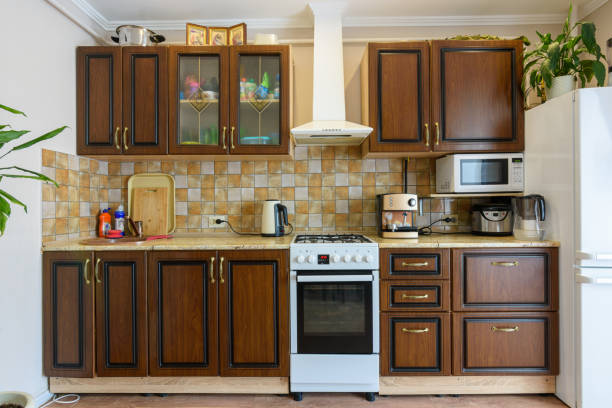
(315, 401)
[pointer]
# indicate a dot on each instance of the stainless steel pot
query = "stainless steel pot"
(492, 219)
(136, 35)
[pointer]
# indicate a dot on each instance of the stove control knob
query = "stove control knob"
(335, 258)
(369, 258)
(346, 258)
(358, 258)
(300, 259)
(312, 259)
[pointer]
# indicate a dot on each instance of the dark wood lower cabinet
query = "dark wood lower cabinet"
(253, 315)
(505, 344)
(68, 314)
(121, 313)
(415, 344)
(182, 292)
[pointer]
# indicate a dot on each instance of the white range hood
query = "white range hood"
(329, 125)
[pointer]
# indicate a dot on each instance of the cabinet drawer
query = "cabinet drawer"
(514, 279)
(415, 295)
(415, 344)
(505, 344)
(414, 264)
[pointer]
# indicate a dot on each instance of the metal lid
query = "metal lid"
(492, 207)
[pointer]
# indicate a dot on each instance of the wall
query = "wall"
(37, 75)
(325, 189)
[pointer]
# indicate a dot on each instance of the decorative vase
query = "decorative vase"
(17, 398)
(560, 85)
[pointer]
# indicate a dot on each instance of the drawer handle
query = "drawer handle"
(505, 329)
(125, 145)
(117, 146)
(221, 280)
(85, 269)
(97, 271)
(405, 330)
(416, 264)
(405, 296)
(509, 264)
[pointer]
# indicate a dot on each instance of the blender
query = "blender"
(529, 215)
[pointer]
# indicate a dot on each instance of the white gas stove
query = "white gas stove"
(334, 314)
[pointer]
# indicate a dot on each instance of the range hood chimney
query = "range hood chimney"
(329, 125)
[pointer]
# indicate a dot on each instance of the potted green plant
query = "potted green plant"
(555, 64)
(18, 172)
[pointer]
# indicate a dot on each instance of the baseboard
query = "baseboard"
(170, 385)
(424, 385)
(42, 397)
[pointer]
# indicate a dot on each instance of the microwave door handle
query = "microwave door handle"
(335, 278)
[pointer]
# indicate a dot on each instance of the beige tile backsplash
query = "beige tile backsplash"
(324, 189)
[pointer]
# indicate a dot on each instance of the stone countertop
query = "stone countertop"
(459, 241)
(220, 241)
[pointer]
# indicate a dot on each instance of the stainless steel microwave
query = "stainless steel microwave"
(480, 173)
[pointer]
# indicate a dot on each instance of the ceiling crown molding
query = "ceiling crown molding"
(257, 23)
(428, 21)
(590, 7)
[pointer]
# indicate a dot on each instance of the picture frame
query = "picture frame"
(237, 34)
(217, 36)
(196, 34)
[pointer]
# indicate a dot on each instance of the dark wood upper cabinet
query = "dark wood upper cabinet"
(199, 100)
(398, 96)
(428, 98)
(68, 310)
(145, 100)
(253, 313)
(182, 295)
(260, 125)
(99, 122)
(477, 102)
(121, 313)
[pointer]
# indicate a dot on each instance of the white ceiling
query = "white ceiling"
(269, 13)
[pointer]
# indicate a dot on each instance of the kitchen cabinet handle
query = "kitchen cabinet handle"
(505, 329)
(405, 330)
(415, 263)
(125, 145)
(437, 133)
(85, 268)
(509, 264)
(212, 270)
(427, 134)
(117, 145)
(221, 280)
(97, 271)
(405, 296)
(232, 138)
(223, 137)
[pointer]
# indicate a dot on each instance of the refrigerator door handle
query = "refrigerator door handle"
(593, 280)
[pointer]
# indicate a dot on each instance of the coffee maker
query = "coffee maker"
(396, 215)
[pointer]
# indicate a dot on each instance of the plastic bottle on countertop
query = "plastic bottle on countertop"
(104, 224)
(120, 220)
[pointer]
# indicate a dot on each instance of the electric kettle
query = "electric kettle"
(529, 216)
(273, 219)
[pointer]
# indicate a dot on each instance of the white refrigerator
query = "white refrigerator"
(568, 159)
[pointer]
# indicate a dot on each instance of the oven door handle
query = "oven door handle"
(335, 278)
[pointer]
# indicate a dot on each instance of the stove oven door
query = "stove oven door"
(334, 313)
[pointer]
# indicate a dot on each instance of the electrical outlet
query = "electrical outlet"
(455, 222)
(213, 224)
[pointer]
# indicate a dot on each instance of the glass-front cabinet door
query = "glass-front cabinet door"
(259, 99)
(199, 100)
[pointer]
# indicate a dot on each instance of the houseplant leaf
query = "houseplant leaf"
(554, 54)
(587, 31)
(12, 200)
(3, 219)
(12, 110)
(8, 135)
(5, 207)
(40, 176)
(46, 136)
(599, 70)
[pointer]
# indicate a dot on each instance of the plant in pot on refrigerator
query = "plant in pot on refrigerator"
(554, 65)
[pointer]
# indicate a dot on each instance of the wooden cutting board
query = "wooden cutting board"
(150, 205)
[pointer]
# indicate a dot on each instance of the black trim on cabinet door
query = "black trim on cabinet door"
(438, 367)
(230, 277)
(443, 51)
(133, 91)
(80, 283)
(379, 97)
(110, 99)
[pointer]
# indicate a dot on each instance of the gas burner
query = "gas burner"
(332, 239)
